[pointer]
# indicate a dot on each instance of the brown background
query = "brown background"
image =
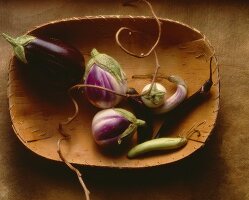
(218, 171)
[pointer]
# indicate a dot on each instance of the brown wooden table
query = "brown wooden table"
(218, 171)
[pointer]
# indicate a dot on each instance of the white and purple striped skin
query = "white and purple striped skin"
(107, 126)
(100, 98)
(174, 100)
(149, 103)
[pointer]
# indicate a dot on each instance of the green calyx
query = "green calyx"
(133, 126)
(129, 116)
(107, 63)
(18, 45)
(129, 131)
(156, 96)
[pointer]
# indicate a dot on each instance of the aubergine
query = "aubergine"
(51, 62)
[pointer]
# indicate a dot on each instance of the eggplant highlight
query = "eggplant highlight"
(52, 62)
(155, 97)
(111, 126)
(173, 117)
(177, 98)
(104, 71)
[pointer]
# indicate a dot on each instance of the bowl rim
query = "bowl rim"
(106, 17)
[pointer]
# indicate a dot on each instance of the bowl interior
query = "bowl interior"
(182, 51)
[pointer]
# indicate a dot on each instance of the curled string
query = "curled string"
(155, 73)
(78, 86)
(79, 175)
(142, 55)
(76, 111)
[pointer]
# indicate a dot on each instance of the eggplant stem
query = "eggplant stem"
(140, 122)
(11, 40)
(155, 73)
(128, 131)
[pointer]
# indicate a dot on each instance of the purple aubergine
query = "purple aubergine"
(103, 70)
(52, 62)
(111, 126)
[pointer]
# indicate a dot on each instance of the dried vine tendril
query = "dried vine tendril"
(79, 175)
(66, 136)
(142, 55)
(78, 86)
(152, 49)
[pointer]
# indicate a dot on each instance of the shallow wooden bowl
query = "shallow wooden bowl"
(182, 51)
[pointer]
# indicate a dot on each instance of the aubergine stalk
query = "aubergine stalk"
(52, 62)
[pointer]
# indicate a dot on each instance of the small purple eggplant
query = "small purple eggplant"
(102, 70)
(111, 126)
(52, 62)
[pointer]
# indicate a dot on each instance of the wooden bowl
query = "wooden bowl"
(182, 51)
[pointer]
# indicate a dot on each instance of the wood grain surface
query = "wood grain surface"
(218, 171)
